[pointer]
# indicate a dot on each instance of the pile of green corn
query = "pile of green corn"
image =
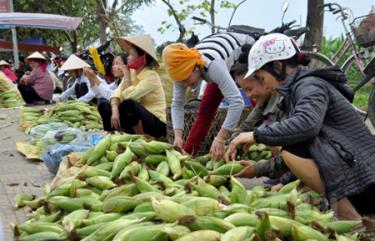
(75, 114)
(29, 118)
(256, 153)
(128, 188)
(9, 95)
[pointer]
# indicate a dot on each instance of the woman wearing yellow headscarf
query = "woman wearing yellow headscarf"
(211, 60)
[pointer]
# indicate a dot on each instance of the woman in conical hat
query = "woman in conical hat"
(138, 105)
(38, 85)
(81, 87)
(5, 68)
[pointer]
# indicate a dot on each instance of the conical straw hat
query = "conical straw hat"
(144, 42)
(3, 62)
(73, 62)
(36, 55)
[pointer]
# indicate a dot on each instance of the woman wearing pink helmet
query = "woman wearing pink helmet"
(324, 142)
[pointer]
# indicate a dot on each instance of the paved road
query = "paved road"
(17, 175)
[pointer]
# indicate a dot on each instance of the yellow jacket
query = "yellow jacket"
(147, 89)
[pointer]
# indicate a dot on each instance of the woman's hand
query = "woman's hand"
(91, 75)
(125, 72)
(178, 142)
(115, 118)
(248, 171)
(217, 149)
(243, 138)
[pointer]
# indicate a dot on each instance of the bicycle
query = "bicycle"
(356, 57)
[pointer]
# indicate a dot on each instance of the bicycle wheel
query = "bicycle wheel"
(318, 60)
(371, 107)
(354, 76)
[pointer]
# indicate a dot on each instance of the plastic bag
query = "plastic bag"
(55, 154)
(39, 131)
(68, 135)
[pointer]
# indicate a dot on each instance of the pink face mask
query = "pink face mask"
(138, 62)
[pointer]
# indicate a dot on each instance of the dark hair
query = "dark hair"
(124, 58)
(239, 69)
(149, 60)
(243, 58)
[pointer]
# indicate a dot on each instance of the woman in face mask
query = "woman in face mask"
(138, 105)
(38, 85)
(324, 141)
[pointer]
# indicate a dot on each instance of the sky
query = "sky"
(258, 13)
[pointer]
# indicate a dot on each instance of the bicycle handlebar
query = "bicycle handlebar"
(199, 19)
(335, 8)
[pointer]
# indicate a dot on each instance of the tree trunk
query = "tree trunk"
(101, 6)
(212, 14)
(73, 41)
(314, 21)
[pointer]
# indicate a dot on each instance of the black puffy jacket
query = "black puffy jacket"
(318, 115)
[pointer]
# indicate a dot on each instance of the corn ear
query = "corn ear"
(170, 211)
(119, 204)
(201, 235)
(238, 234)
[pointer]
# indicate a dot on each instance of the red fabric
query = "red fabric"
(10, 74)
(210, 102)
(43, 66)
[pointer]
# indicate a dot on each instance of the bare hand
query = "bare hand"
(246, 138)
(125, 71)
(217, 150)
(178, 142)
(91, 75)
(248, 171)
(115, 119)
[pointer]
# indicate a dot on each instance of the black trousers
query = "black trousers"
(29, 95)
(131, 112)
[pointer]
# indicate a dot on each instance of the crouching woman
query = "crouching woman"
(324, 142)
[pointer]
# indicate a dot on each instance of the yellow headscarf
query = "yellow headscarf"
(180, 61)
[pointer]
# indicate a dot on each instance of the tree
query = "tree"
(113, 16)
(92, 12)
(187, 9)
(314, 21)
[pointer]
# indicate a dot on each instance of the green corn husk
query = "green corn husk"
(132, 169)
(101, 182)
(238, 193)
(238, 234)
(120, 162)
(99, 150)
(170, 211)
(196, 168)
(155, 159)
(206, 222)
(302, 233)
(163, 168)
(243, 219)
(156, 147)
(228, 169)
(202, 206)
(201, 235)
(174, 164)
(119, 204)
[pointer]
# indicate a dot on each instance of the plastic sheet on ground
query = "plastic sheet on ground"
(54, 154)
(31, 152)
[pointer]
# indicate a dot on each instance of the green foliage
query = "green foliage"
(187, 9)
(88, 30)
